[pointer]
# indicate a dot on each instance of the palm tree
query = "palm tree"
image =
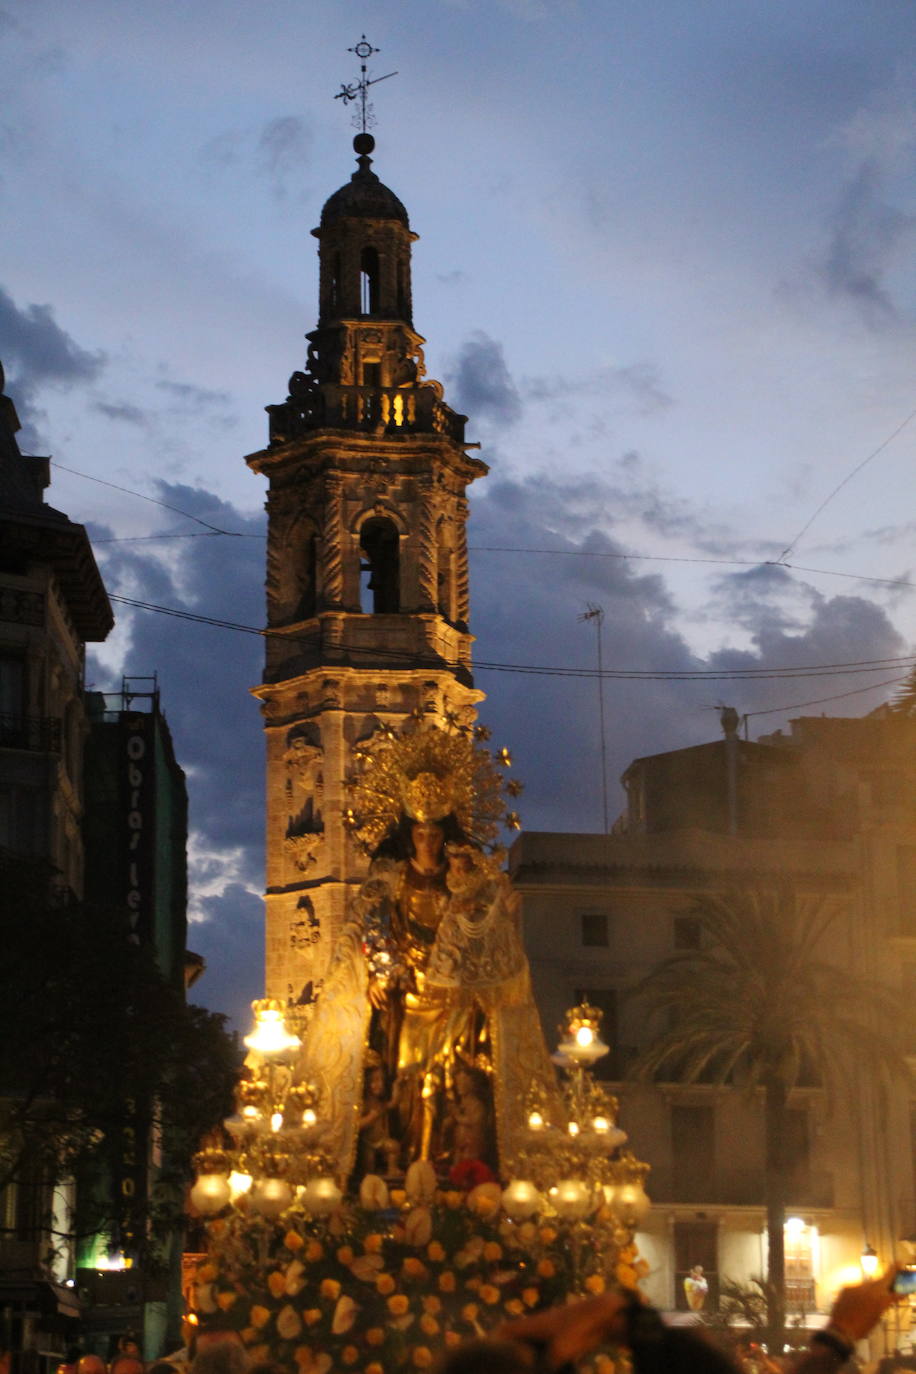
(904, 700)
(759, 1007)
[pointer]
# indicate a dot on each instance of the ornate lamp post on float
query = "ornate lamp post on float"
(276, 1161)
(578, 1169)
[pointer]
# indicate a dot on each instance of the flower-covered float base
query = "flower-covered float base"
(377, 1290)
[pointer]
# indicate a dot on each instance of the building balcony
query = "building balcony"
(392, 411)
(736, 1188)
(37, 734)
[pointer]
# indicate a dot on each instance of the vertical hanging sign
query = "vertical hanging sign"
(137, 761)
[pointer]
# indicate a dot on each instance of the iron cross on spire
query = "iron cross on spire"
(356, 90)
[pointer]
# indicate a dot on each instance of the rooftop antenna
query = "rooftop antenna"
(596, 613)
(364, 117)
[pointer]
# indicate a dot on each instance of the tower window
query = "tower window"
(335, 282)
(380, 573)
(368, 281)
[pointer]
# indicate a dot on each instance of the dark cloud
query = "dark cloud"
(38, 353)
(481, 381)
(188, 397)
(35, 343)
(283, 149)
(205, 672)
(867, 235)
(123, 410)
(637, 384)
(276, 152)
(228, 930)
(526, 613)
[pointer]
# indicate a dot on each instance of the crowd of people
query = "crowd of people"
(556, 1340)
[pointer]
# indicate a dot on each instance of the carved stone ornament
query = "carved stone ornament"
(303, 850)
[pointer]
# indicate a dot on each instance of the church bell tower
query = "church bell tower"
(367, 569)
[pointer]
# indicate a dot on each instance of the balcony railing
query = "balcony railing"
(38, 734)
(736, 1188)
(393, 410)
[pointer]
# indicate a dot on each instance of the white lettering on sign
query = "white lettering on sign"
(136, 822)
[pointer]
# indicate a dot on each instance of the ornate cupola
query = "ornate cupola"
(367, 571)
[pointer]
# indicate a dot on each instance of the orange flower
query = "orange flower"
(453, 1338)
(546, 1269)
(469, 1311)
(258, 1354)
(372, 1243)
(276, 1282)
(515, 1307)
(548, 1235)
(415, 1268)
(385, 1284)
(595, 1283)
(329, 1288)
(248, 1335)
(398, 1304)
(489, 1293)
(625, 1275)
(428, 1325)
(398, 1197)
(345, 1255)
(349, 1354)
(303, 1354)
(375, 1336)
(447, 1282)
(314, 1251)
(492, 1251)
(293, 1241)
(312, 1316)
(206, 1273)
(435, 1251)
(374, 1368)
(432, 1305)
(453, 1200)
(531, 1296)
(226, 1300)
(422, 1357)
(260, 1316)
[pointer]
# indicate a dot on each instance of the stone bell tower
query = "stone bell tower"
(367, 570)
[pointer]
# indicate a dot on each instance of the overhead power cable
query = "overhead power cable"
(848, 478)
(635, 674)
(215, 529)
(822, 701)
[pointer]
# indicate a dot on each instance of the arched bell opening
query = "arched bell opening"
(380, 576)
(445, 576)
(369, 281)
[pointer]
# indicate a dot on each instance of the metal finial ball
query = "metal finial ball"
(363, 144)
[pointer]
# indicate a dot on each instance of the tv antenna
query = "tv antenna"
(596, 614)
(356, 90)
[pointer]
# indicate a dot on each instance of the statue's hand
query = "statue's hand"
(378, 993)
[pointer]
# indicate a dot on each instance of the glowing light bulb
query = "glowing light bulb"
(309, 1117)
(584, 1035)
(276, 1121)
(573, 1128)
(535, 1121)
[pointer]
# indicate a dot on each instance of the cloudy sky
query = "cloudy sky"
(667, 266)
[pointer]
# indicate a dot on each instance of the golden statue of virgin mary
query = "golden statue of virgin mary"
(429, 977)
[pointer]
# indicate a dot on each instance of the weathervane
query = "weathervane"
(356, 90)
